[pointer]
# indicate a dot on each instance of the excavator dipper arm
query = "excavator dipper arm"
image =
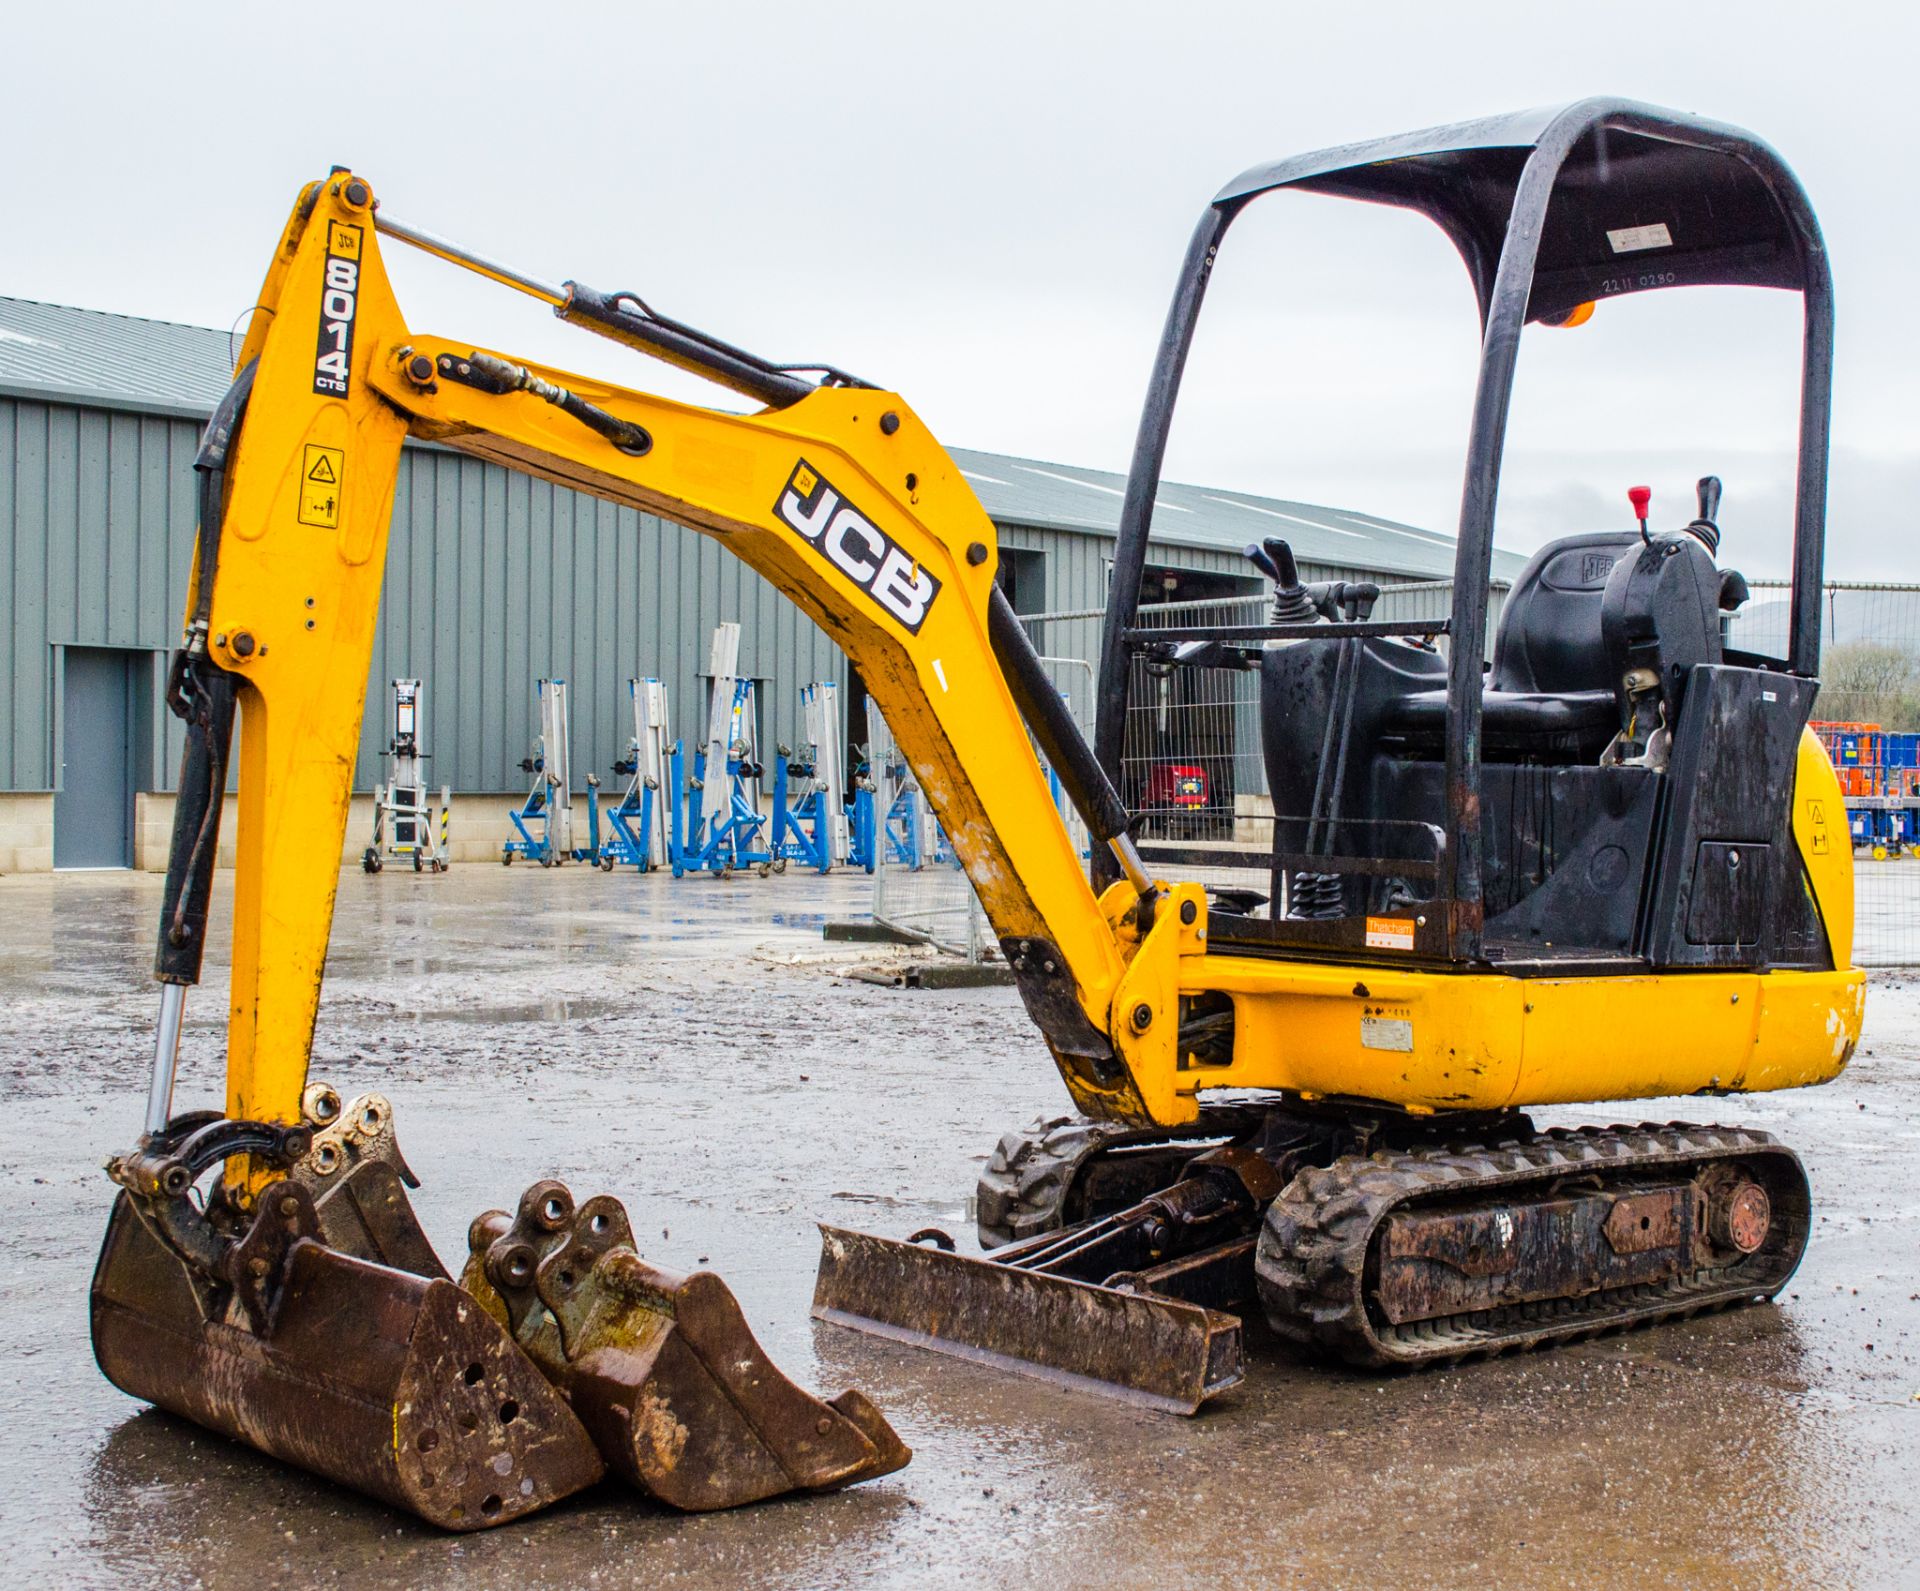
(839, 496)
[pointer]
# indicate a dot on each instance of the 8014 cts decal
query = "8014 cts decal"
(857, 547)
(339, 300)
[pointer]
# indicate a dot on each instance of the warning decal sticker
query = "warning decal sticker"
(320, 472)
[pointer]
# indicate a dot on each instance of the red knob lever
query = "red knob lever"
(1641, 497)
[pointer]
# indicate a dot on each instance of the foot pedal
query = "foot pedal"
(662, 1368)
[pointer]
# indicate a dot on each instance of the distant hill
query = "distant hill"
(1886, 618)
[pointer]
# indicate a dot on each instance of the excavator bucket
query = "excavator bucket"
(662, 1368)
(318, 1326)
(256, 1326)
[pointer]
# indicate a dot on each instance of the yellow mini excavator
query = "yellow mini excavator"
(1610, 865)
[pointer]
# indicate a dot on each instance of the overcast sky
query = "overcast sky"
(985, 207)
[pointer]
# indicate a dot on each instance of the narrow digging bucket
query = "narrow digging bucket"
(1160, 1352)
(397, 1385)
(662, 1368)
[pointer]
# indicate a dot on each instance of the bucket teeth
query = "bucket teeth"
(661, 1367)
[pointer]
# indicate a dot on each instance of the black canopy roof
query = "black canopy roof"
(1633, 208)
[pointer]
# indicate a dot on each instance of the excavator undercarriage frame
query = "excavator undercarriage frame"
(1379, 1194)
(1380, 1241)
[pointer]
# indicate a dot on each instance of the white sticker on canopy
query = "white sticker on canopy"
(1627, 239)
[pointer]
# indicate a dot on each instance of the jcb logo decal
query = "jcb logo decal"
(339, 300)
(853, 544)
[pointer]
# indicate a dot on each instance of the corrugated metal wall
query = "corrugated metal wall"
(493, 579)
(96, 531)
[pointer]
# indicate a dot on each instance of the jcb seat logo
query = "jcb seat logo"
(853, 544)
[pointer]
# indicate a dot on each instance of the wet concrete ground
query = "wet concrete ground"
(687, 1048)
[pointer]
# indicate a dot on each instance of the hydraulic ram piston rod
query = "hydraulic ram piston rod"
(609, 315)
(166, 1056)
(456, 254)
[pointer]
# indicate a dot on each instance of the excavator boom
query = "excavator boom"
(840, 498)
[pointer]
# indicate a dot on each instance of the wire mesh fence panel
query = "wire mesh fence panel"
(1191, 767)
(1075, 680)
(1868, 716)
(1869, 648)
(919, 889)
(919, 886)
(1193, 758)
(1190, 742)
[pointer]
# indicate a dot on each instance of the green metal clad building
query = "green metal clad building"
(493, 581)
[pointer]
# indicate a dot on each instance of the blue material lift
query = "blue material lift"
(637, 826)
(545, 819)
(809, 819)
(721, 828)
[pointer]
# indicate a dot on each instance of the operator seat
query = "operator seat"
(1550, 692)
(1550, 638)
(1596, 627)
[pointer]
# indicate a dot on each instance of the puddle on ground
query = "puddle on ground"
(549, 1010)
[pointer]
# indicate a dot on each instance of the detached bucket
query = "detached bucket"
(662, 1368)
(397, 1385)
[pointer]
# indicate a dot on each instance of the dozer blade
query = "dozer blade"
(397, 1385)
(660, 1367)
(1161, 1352)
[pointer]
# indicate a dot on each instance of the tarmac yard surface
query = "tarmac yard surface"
(688, 1048)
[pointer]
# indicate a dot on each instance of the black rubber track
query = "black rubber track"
(1312, 1257)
